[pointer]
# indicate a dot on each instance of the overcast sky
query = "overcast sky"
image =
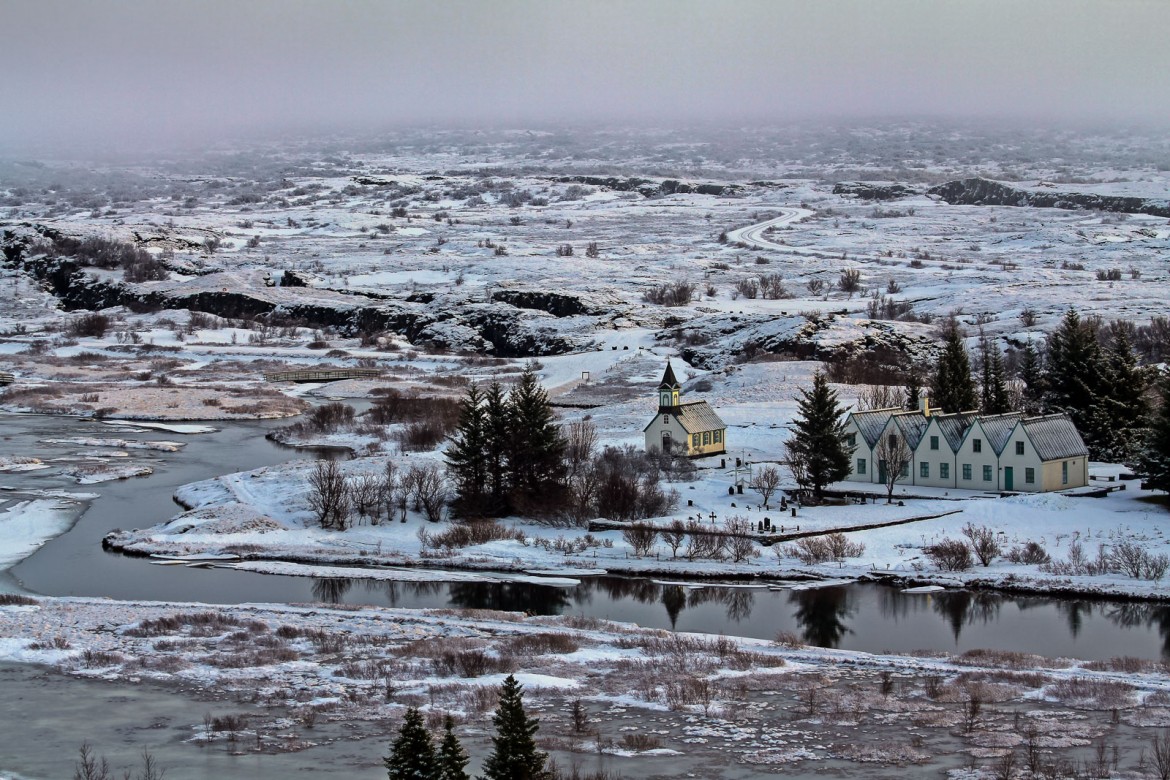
(144, 71)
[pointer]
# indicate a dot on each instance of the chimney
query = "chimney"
(924, 406)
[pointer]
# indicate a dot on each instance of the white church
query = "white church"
(692, 428)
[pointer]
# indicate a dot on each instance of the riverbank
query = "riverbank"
(264, 517)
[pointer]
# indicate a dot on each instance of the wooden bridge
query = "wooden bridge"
(6, 378)
(323, 375)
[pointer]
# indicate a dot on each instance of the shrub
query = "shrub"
(676, 293)
(1109, 275)
(949, 555)
(92, 325)
(1031, 553)
(641, 537)
(983, 542)
(849, 281)
(468, 534)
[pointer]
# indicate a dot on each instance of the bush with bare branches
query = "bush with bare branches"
(640, 536)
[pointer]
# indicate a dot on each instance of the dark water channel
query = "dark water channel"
(855, 617)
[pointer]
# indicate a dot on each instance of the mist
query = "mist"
(143, 73)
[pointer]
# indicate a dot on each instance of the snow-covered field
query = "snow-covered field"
(441, 260)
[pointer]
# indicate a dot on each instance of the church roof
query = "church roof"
(698, 416)
(669, 382)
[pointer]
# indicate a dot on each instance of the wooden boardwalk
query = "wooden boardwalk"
(326, 375)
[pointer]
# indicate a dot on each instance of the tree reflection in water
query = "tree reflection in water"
(821, 614)
(738, 602)
(674, 598)
(509, 597)
(331, 590)
(965, 608)
(1135, 614)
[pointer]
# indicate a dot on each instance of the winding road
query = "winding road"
(753, 235)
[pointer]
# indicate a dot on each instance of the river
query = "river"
(854, 617)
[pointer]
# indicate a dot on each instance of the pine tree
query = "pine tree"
(514, 755)
(536, 451)
(1155, 458)
(1077, 381)
(451, 758)
(913, 390)
(467, 457)
(993, 387)
(817, 450)
(953, 389)
(412, 757)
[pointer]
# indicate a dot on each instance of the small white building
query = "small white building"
(691, 428)
(969, 451)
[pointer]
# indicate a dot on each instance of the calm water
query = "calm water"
(856, 617)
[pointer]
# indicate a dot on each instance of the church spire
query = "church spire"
(669, 382)
(668, 391)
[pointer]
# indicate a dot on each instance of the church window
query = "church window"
(706, 438)
(717, 437)
(666, 419)
(695, 440)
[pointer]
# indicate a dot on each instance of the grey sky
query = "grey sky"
(145, 70)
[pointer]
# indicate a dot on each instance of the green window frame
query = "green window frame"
(944, 470)
(966, 471)
(924, 470)
(987, 473)
(861, 465)
(977, 445)
(695, 439)
(1029, 476)
(1019, 448)
(934, 442)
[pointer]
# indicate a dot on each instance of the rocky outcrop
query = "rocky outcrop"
(647, 187)
(871, 191)
(556, 304)
(985, 192)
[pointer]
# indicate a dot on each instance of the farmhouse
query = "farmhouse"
(692, 428)
(967, 450)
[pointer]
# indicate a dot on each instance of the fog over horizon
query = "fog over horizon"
(140, 73)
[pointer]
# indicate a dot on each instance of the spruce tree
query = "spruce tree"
(952, 388)
(1076, 380)
(913, 390)
(993, 387)
(1155, 458)
(412, 757)
(536, 452)
(817, 449)
(1031, 373)
(514, 755)
(467, 457)
(451, 758)
(497, 433)
(1123, 400)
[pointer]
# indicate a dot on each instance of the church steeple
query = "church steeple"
(669, 390)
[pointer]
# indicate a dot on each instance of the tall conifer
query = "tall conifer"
(514, 755)
(952, 388)
(467, 457)
(451, 758)
(817, 449)
(536, 447)
(413, 756)
(1155, 458)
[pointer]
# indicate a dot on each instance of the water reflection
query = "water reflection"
(1135, 614)
(509, 597)
(821, 614)
(965, 608)
(331, 590)
(674, 598)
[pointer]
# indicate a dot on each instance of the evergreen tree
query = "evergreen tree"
(467, 457)
(514, 755)
(412, 757)
(1155, 458)
(452, 758)
(952, 388)
(993, 387)
(536, 451)
(1123, 400)
(1031, 373)
(1076, 380)
(913, 390)
(817, 450)
(496, 434)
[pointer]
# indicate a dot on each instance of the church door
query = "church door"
(667, 444)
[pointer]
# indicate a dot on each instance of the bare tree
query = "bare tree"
(797, 461)
(674, 535)
(428, 489)
(895, 457)
(89, 766)
(704, 542)
(983, 542)
(640, 536)
(580, 444)
(392, 494)
(879, 397)
(739, 541)
(766, 481)
(365, 494)
(1161, 746)
(329, 495)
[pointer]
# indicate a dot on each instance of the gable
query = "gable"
(1054, 437)
(997, 429)
(698, 416)
(871, 423)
